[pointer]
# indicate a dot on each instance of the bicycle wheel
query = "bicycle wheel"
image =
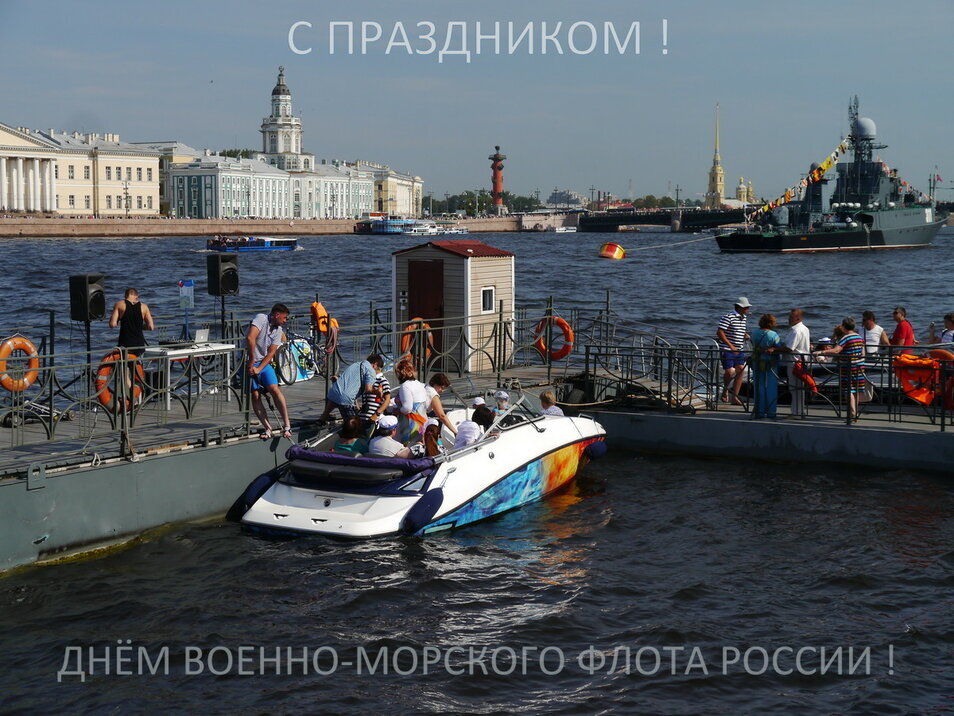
(285, 365)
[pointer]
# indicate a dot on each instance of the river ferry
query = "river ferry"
(251, 243)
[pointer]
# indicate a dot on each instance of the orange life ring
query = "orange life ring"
(407, 337)
(568, 337)
(105, 372)
(7, 349)
(918, 377)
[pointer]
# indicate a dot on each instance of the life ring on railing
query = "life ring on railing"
(568, 337)
(407, 337)
(799, 371)
(917, 376)
(105, 372)
(7, 349)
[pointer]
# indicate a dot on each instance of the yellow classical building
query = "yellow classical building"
(76, 174)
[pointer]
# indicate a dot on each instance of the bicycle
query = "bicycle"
(303, 357)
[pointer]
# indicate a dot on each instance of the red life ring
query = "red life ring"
(568, 337)
(7, 349)
(417, 324)
(105, 372)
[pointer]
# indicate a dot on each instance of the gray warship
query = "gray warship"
(871, 207)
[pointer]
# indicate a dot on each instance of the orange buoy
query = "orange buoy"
(8, 348)
(609, 250)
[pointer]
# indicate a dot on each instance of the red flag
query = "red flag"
(937, 177)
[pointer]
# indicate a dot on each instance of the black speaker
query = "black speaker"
(223, 274)
(87, 297)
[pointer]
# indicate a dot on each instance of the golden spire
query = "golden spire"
(716, 155)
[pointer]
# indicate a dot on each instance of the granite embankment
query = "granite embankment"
(119, 228)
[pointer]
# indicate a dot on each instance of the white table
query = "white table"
(167, 354)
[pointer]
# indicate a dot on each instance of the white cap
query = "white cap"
(386, 422)
(429, 422)
(743, 302)
(468, 432)
(502, 395)
(478, 401)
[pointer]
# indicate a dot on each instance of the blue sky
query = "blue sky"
(202, 72)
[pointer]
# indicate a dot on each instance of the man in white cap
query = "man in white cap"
(384, 444)
(731, 334)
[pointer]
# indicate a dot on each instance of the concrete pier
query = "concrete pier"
(820, 438)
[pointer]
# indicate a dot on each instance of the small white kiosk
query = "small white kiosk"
(464, 287)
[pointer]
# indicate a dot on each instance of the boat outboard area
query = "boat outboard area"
(520, 458)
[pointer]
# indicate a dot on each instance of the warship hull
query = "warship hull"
(889, 235)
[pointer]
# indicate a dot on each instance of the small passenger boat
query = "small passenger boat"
(329, 493)
(251, 243)
(423, 228)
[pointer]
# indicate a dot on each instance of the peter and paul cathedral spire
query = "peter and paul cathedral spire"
(715, 193)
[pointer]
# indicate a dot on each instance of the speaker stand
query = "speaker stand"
(222, 319)
(89, 356)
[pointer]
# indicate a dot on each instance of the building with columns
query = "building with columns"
(27, 171)
(76, 174)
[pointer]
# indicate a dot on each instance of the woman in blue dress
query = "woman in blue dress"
(764, 365)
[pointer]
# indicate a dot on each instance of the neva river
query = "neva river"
(684, 559)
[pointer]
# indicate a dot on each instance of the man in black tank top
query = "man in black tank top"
(132, 316)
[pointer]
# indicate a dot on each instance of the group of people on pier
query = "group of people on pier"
(376, 420)
(772, 357)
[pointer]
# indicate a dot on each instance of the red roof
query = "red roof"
(462, 247)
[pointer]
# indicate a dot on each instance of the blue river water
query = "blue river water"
(735, 574)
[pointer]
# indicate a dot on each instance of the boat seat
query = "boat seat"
(307, 470)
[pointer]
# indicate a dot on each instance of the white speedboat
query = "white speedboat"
(454, 230)
(357, 497)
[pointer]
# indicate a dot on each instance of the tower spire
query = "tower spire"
(716, 155)
(715, 195)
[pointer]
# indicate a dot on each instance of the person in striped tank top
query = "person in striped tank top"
(731, 335)
(851, 347)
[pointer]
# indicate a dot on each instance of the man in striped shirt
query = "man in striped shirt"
(731, 335)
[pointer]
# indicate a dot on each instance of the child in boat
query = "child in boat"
(503, 401)
(375, 402)
(350, 440)
(433, 445)
(548, 404)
